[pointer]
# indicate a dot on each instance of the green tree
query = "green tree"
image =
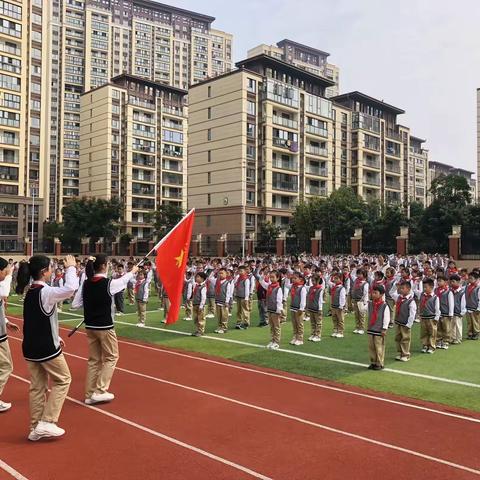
(165, 218)
(451, 190)
(52, 230)
(267, 233)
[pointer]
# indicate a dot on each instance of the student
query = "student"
(405, 313)
(472, 299)
(285, 284)
(231, 281)
(298, 294)
(211, 282)
(131, 285)
(378, 321)
(223, 294)
(390, 282)
(429, 316)
(199, 301)
(42, 345)
(274, 307)
(347, 283)
(315, 307)
(446, 298)
(120, 296)
(96, 296)
(6, 364)
(339, 297)
(459, 309)
(142, 292)
(262, 302)
(58, 281)
(242, 296)
(360, 290)
(187, 295)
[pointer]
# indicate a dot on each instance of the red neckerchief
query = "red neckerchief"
(439, 291)
(455, 289)
(376, 306)
(58, 276)
(138, 284)
(425, 298)
(359, 283)
(96, 278)
(375, 283)
(313, 290)
(399, 304)
(241, 277)
(470, 288)
(334, 289)
(293, 291)
(345, 276)
(452, 271)
(271, 287)
(218, 286)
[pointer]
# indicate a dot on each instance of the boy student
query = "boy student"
(141, 296)
(120, 296)
(298, 294)
(429, 316)
(223, 294)
(390, 282)
(360, 290)
(262, 301)
(459, 309)
(242, 296)
(446, 297)
(339, 297)
(347, 282)
(274, 306)
(315, 308)
(187, 295)
(199, 300)
(131, 286)
(231, 281)
(378, 321)
(472, 299)
(211, 282)
(405, 313)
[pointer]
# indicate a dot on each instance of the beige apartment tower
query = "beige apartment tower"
(134, 148)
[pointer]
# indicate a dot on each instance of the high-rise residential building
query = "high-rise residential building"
(438, 169)
(478, 144)
(311, 59)
(417, 174)
(134, 147)
(92, 41)
(23, 112)
(264, 137)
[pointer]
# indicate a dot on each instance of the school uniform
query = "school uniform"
(119, 298)
(187, 298)
(298, 303)
(42, 350)
(390, 284)
(285, 285)
(96, 297)
(6, 364)
(472, 299)
(405, 313)
(378, 321)
(446, 299)
(337, 306)
(199, 301)
(459, 311)
(141, 297)
(131, 290)
(274, 310)
(315, 309)
(429, 316)
(347, 283)
(58, 281)
(242, 296)
(211, 305)
(360, 291)
(223, 294)
(262, 305)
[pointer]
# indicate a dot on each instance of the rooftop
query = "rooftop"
(281, 43)
(169, 8)
(417, 139)
(449, 167)
(361, 97)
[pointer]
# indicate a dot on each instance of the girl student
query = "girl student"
(96, 295)
(42, 345)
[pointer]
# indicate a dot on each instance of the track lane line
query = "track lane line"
(11, 471)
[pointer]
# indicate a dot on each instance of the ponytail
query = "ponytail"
(95, 264)
(31, 269)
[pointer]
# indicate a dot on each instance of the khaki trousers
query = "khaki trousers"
(456, 332)
(142, 311)
(473, 323)
(6, 365)
(102, 358)
(275, 330)
(283, 315)
(297, 324)
(188, 309)
(349, 305)
(211, 306)
(131, 295)
(338, 320)
(43, 408)
(376, 349)
(403, 336)
(222, 316)
(444, 330)
(428, 332)
(199, 319)
(316, 321)
(243, 311)
(391, 306)
(360, 315)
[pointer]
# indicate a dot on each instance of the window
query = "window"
(209, 112)
(10, 10)
(209, 156)
(209, 91)
(251, 130)
(209, 177)
(8, 228)
(251, 85)
(251, 108)
(250, 198)
(11, 83)
(209, 134)
(209, 199)
(171, 136)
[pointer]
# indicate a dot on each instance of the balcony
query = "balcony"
(369, 180)
(148, 190)
(176, 194)
(171, 179)
(375, 146)
(394, 185)
(285, 122)
(393, 197)
(9, 140)
(173, 153)
(316, 190)
(173, 166)
(174, 125)
(321, 132)
(285, 186)
(317, 170)
(284, 165)
(392, 149)
(365, 122)
(392, 167)
(173, 110)
(394, 135)
(313, 150)
(371, 162)
(143, 160)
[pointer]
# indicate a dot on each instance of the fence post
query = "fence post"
(132, 248)
(249, 243)
(356, 242)
(99, 245)
(280, 244)
(57, 247)
(85, 243)
(222, 245)
(27, 249)
(402, 241)
(316, 243)
(195, 245)
(454, 242)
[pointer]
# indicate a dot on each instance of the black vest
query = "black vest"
(98, 308)
(40, 329)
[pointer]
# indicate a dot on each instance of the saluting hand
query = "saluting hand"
(70, 261)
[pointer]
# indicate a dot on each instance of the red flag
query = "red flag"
(171, 261)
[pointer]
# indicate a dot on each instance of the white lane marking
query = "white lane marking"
(163, 436)
(264, 410)
(291, 379)
(11, 471)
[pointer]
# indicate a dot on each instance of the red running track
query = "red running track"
(255, 423)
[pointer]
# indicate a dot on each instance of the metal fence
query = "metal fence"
(470, 242)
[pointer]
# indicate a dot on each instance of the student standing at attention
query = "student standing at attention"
(223, 294)
(242, 296)
(360, 290)
(315, 307)
(459, 309)
(6, 365)
(339, 300)
(472, 299)
(96, 296)
(42, 345)
(199, 301)
(429, 316)
(298, 294)
(378, 321)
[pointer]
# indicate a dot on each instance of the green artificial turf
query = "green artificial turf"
(460, 362)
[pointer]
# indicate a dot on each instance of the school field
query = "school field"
(450, 377)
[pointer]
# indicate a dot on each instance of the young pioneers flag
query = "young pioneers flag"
(172, 255)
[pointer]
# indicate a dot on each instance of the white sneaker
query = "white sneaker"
(404, 359)
(417, 320)
(430, 350)
(297, 343)
(361, 332)
(274, 346)
(229, 314)
(102, 397)
(48, 429)
(4, 406)
(33, 436)
(339, 335)
(210, 315)
(270, 345)
(316, 339)
(310, 338)
(356, 330)
(292, 341)
(334, 334)
(188, 319)
(140, 324)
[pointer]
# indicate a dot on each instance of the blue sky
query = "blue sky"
(420, 55)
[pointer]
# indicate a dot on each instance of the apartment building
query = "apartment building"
(92, 41)
(261, 139)
(438, 169)
(134, 147)
(23, 106)
(417, 173)
(311, 59)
